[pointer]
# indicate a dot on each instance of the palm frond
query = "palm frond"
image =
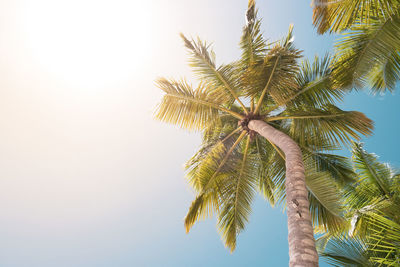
(339, 167)
(339, 15)
(265, 155)
(385, 75)
(366, 52)
(344, 251)
(275, 75)
(326, 206)
(189, 108)
(385, 240)
(218, 161)
(219, 128)
(252, 43)
(214, 148)
(371, 170)
(207, 172)
(315, 87)
(331, 123)
(204, 205)
(237, 194)
(223, 78)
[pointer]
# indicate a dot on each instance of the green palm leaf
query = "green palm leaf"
(385, 240)
(329, 122)
(187, 107)
(326, 205)
(338, 167)
(270, 175)
(315, 87)
(222, 78)
(343, 251)
(252, 43)
(339, 15)
(370, 170)
(274, 74)
(367, 51)
(237, 194)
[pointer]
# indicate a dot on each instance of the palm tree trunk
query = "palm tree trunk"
(302, 250)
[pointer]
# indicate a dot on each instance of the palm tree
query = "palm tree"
(262, 117)
(368, 54)
(373, 207)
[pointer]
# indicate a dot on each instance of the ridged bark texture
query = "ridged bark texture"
(302, 251)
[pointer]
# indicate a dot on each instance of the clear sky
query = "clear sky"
(87, 177)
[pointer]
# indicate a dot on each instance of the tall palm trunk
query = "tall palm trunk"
(302, 250)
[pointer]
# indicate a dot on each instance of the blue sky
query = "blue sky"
(88, 177)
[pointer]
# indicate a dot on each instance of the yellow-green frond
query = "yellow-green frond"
(329, 122)
(326, 205)
(340, 15)
(222, 79)
(252, 43)
(363, 55)
(274, 76)
(189, 108)
(202, 207)
(236, 198)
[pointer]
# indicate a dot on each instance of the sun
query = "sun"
(88, 43)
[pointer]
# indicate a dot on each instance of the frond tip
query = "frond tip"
(201, 208)
(251, 12)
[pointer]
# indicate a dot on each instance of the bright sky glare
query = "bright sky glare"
(87, 43)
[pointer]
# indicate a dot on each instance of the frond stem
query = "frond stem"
(258, 106)
(304, 117)
(231, 134)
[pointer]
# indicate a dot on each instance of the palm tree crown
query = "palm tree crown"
(233, 163)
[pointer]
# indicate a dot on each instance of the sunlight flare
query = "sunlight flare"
(88, 44)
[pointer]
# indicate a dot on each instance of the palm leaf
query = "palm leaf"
(204, 205)
(315, 87)
(265, 156)
(252, 43)
(211, 150)
(365, 53)
(275, 74)
(385, 240)
(329, 122)
(339, 167)
(343, 251)
(326, 206)
(207, 175)
(339, 15)
(222, 78)
(385, 75)
(187, 107)
(237, 193)
(371, 170)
